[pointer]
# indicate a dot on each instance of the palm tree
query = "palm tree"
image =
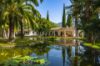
(16, 12)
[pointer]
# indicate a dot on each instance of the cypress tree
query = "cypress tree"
(48, 15)
(64, 17)
(69, 20)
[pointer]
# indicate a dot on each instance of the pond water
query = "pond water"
(60, 53)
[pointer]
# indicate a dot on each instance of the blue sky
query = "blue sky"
(55, 8)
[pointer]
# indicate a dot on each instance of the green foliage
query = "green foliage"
(18, 14)
(86, 17)
(96, 46)
(24, 61)
(22, 49)
(44, 25)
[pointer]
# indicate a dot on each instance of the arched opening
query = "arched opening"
(56, 33)
(61, 34)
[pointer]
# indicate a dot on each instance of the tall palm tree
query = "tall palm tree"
(17, 12)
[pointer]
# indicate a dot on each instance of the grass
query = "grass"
(26, 41)
(95, 46)
(66, 38)
(7, 45)
(17, 42)
(29, 42)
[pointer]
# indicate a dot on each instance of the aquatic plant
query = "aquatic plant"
(25, 61)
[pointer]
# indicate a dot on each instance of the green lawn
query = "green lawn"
(95, 46)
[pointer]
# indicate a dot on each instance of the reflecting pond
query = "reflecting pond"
(57, 53)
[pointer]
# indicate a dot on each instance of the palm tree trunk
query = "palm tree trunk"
(22, 30)
(11, 30)
(4, 34)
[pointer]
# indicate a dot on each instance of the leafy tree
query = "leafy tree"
(44, 25)
(86, 11)
(89, 19)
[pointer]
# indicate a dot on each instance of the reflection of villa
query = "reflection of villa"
(66, 43)
(62, 32)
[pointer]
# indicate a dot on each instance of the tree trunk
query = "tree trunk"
(76, 26)
(4, 33)
(11, 30)
(93, 38)
(22, 30)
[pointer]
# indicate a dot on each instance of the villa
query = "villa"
(62, 32)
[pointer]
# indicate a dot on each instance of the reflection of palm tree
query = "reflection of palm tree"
(40, 49)
(90, 57)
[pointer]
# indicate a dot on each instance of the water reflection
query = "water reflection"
(63, 55)
(40, 48)
(91, 57)
(66, 53)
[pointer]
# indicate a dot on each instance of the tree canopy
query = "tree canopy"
(18, 15)
(86, 15)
